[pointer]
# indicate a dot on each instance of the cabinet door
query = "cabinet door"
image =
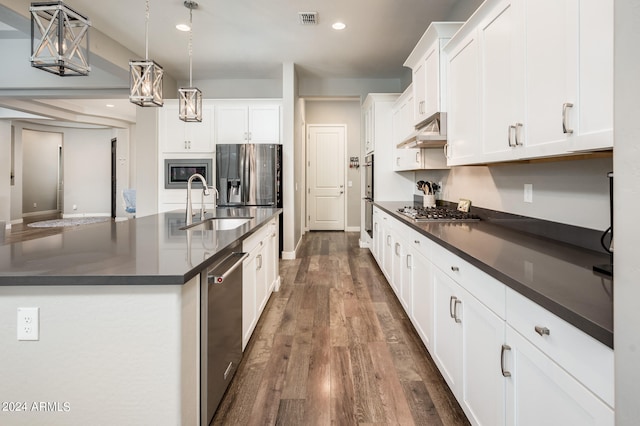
(368, 130)
(249, 311)
(447, 335)
(483, 383)
(232, 124)
(432, 80)
(539, 392)
(388, 255)
(178, 136)
(264, 124)
(550, 44)
(376, 247)
(419, 92)
(464, 115)
(595, 122)
(408, 159)
(503, 92)
(422, 297)
(262, 284)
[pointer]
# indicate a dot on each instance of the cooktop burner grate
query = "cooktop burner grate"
(437, 214)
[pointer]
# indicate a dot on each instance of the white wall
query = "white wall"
(627, 203)
(573, 192)
(5, 178)
(343, 112)
(310, 87)
(40, 170)
(237, 88)
(87, 171)
(116, 355)
(87, 165)
(463, 9)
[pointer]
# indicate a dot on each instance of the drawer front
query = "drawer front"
(483, 287)
(254, 239)
(588, 360)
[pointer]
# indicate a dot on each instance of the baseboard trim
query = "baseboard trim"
(352, 229)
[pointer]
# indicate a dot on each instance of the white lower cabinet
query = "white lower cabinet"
(259, 276)
(488, 341)
(540, 392)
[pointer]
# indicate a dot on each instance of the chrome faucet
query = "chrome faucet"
(205, 191)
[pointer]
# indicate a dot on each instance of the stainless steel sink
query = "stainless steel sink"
(219, 223)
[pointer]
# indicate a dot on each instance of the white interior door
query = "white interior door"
(326, 192)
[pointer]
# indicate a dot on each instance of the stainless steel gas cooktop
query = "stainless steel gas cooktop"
(437, 214)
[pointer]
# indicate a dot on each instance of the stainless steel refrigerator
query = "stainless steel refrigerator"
(249, 175)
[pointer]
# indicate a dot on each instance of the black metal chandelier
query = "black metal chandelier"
(145, 75)
(190, 98)
(59, 39)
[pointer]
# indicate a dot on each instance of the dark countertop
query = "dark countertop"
(148, 250)
(557, 276)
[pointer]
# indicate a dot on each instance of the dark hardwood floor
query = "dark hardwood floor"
(334, 346)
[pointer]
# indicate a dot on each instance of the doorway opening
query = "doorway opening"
(114, 190)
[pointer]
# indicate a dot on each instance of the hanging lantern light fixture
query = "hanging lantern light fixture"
(145, 76)
(59, 39)
(190, 98)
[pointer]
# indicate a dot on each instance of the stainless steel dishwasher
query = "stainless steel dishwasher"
(221, 331)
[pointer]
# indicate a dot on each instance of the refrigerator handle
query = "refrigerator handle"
(247, 152)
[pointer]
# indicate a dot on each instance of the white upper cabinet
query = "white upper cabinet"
(177, 136)
(429, 70)
(463, 98)
(253, 123)
(546, 79)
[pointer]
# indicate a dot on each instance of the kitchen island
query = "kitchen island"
(119, 309)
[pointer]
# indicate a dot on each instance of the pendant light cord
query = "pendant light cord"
(190, 45)
(146, 31)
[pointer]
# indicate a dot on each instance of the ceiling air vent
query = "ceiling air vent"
(308, 18)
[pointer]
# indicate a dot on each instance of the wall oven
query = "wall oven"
(368, 194)
(178, 171)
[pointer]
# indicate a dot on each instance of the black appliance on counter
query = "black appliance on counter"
(607, 268)
(368, 194)
(250, 175)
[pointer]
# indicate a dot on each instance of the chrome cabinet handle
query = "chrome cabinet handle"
(452, 301)
(396, 249)
(397, 161)
(542, 330)
(512, 131)
(453, 308)
(388, 240)
(418, 157)
(416, 241)
(409, 261)
(502, 351)
(446, 151)
(455, 269)
(565, 107)
(518, 133)
(259, 263)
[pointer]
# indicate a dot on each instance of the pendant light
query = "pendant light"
(190, 98)
(145, 76)
(59, 39)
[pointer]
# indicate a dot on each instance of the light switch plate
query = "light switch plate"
(528, 193)
(28, 323)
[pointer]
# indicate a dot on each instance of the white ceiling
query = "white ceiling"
(252, 38)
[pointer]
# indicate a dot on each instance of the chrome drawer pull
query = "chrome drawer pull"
(565, 128)
(455, 311)
(455, 268)
(542, 330)
(504, 348)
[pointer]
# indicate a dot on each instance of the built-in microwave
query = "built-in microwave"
(178, 171)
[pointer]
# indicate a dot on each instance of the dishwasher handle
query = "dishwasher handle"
(219, 273)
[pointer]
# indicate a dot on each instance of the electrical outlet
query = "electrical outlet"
(528, 193)
(75, 207)
(28, 324)
(35, 204)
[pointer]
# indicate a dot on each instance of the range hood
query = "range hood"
(430, 133)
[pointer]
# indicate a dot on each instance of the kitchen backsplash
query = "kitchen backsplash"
(574, 192)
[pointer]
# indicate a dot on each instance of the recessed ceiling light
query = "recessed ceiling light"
(110, 105)
(182, 27)
(338, 26)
